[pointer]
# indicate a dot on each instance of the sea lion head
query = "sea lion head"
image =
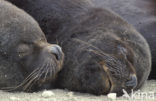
(41, 62)
(22, 42)
(38, 60)
(102, 72)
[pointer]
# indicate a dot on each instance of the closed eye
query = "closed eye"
(23, 50)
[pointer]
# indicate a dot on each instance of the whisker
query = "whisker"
(24, 81)
(50, 69)
(53, 70)
(32, 82)
(29, 83)
(39, 74)
(108, 58)
(47, 69)
(35, 72)
(31, 75)
(43, 68)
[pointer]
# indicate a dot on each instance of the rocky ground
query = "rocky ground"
(147, 93)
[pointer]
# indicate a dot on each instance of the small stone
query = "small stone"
(14, 98)
(112, 96)
(47, 94)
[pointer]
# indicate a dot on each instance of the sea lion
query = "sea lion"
(27, 61)
(141, 14)
(103, 52)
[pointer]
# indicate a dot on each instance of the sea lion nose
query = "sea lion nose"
(57, 51)
(132, 82)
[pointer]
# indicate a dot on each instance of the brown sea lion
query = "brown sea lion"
(27, 61)
(141, 14)
(103, 52)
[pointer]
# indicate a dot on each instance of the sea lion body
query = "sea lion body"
(142, 15)
(24, 50)
(103, 53)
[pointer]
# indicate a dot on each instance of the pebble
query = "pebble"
(47, 94)
(112, 96)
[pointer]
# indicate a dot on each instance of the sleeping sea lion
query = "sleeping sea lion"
(27, 61)
(103, 53)
(141, 14)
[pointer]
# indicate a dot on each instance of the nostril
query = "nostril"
(57, 57)
(57, 51)
(132, 82)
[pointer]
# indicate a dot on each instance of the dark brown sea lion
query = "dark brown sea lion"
(141, 14)
(103, 52)
(27, 61)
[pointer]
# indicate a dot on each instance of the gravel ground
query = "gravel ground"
(149, 92)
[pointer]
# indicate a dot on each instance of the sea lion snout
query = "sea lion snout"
(132, 83)
(56, 50)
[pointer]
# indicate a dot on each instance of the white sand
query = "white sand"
(65, 95)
